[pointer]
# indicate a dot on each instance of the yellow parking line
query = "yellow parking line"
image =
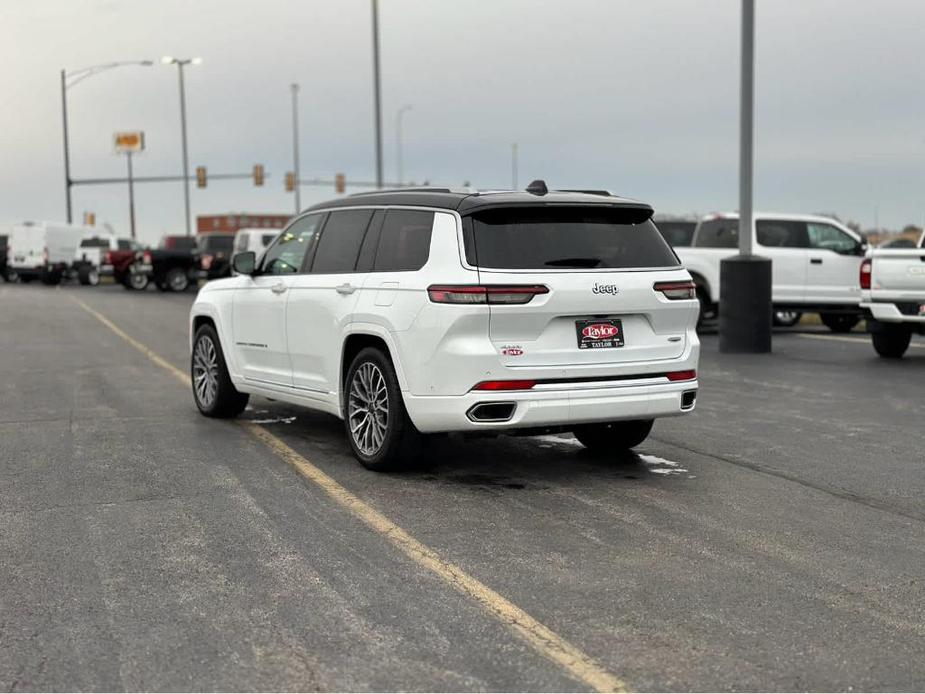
(855, 340)
(544, 640)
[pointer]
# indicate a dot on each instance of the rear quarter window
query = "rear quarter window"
(404, 242)
(548, 238)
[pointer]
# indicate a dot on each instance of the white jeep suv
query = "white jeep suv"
(412, 312)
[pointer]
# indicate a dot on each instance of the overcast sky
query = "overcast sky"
(637, 96)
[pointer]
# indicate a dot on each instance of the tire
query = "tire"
(613, 436)
(88, 275)
(213, 391)
(839, 322)
(11, 276)
(891, 341)
(136, 281)
(390, 441)
(176, 280)
(787, 319)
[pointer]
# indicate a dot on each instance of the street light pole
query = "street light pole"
(401, 171)
(376, 93)
(295, 144)
(67, 154)
(77, 76)
(745, 279)
(181, 63)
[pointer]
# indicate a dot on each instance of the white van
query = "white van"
(255, 240)
(45, 250)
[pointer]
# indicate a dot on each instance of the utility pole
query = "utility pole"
(295, 144)
(131, 195)
(376, 93)
(745, 279)
(514, 166)
(67, 154)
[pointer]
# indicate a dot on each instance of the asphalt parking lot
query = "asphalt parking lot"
(774, 539)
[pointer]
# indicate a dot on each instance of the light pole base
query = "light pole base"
(745, 305)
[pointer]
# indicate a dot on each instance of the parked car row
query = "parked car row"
(54, 252)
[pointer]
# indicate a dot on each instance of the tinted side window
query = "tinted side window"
(718, 233)
(773, 233)
(827, 237)
(404, 243)
(286, 256)
(341, 240)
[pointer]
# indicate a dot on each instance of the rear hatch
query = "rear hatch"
(589, 273)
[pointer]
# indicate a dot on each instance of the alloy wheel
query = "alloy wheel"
(368, 408)
(205, 371)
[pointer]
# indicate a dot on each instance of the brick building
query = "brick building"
(231, 222)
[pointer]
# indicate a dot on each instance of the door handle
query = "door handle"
(816, 261)
(346, 288)
(278, 288)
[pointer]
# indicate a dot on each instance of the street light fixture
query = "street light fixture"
(401, 112)
(181, 63)
(68, 80)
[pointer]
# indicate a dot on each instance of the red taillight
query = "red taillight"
(681, 375)
(505, 385)
(206, 262)
(484, 294)
(677, 290)
(107, 259)
(867, 267)
(146, 258)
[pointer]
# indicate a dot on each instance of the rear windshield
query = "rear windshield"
(547, 238)
(677, 234)
(217, 243)
(179, 243)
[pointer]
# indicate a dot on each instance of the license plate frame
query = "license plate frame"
(608, 340)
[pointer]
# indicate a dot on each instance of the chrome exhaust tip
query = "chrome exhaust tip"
(491, 411)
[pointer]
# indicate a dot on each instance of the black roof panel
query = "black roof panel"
(465, 202)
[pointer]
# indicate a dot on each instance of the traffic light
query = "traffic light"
(258, 174)
(340, 183)
(290, 181)
(201, 177)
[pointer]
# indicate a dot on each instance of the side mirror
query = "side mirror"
(244, 263)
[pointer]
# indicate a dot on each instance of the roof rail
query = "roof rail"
(605, 193)
(426, 189)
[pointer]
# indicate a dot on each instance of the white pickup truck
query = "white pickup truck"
(815, 263)
(893, 297)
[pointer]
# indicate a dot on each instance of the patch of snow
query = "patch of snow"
(277, 420)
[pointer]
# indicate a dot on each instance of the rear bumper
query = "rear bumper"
(547, 408)
(889, 313)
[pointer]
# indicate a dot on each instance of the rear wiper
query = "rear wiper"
(574, 262)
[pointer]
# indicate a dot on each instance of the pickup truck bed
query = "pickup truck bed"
(893, 297)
